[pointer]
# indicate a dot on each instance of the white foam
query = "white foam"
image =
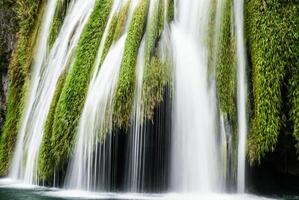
(151, 196)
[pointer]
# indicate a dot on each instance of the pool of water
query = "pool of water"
(18, 191)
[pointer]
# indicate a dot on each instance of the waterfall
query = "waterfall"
(25, 139)
(91, 166)
(200, 148)
(46, 72)
(136, 138)
(195, 166)
(242, 92)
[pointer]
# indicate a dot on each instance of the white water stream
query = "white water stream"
(195, 166)
(197, 160)
(46, 72)
(242, 92)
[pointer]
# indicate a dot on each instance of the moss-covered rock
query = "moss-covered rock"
(74, 91)
(291, 54)
(109, 38)
(153, 30)
(155, 72)
(122, 17)
(155, 81)
(226, 65)
(8, 30)
(46, 162)
(125, 89)
(59, 15)
(29, 14)
(170, 10)
(273, 43)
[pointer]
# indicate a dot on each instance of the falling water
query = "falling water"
(135, 172)
(90, 168)
(242, 92)
(39, 61)
(46, 72)
(223, 139)
(194, 153)
(136, 140)
(91, 164)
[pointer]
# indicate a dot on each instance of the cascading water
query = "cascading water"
(46, 73)
(91, 166)
(195, 166)
(39, 61)
(242, 93)
(199, 154)
(136, 140)
(223, 141)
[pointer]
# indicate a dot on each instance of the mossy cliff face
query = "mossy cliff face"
(272, 31)
(29, 13)
(226, 65)
(8, 28)
(292, 56)
(125, 90)
(71, 100)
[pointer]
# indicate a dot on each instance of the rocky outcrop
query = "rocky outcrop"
(7, 44)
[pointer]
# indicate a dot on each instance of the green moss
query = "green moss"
(122, 17)
(29, 14)
(155, 72)
(273, 41)
(291, 54)
(153, 30)
(125, 88)
(73, 94)
(57, 20)
(45, 162)
(170, 10)
(110, 36)
(116, 28)
(7, 32)
(155, 81)
(226, 65)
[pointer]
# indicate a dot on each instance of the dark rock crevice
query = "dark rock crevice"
(8, 27)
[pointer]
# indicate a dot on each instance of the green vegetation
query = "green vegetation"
(71, 101)
(273, 43)
(291, 55)
(115, 28)
(153, 30)
(125, 89)
(57, 20)
(212, 38)
(121, 21)
(155, 81)
(170, 10)
(29, 14)
(226, 65)
(109, 38)
(45, 162)
(155, 72)
(7, 32)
